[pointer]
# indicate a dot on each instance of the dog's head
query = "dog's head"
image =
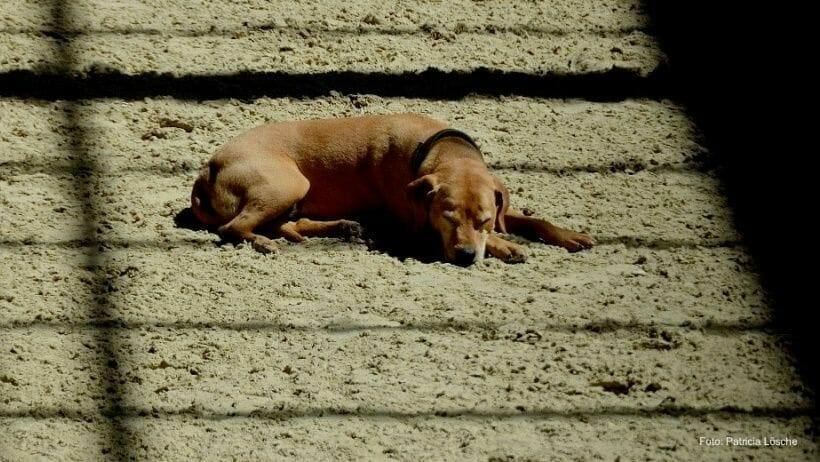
(463, 206)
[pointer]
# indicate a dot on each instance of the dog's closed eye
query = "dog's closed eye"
(451, 216)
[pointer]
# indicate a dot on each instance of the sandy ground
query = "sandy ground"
(123, 334)
(183, 37)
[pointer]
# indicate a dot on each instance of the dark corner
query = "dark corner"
(734, 65)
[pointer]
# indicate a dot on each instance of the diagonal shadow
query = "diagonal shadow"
(85, 170)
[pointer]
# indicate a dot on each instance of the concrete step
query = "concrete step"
(219, 16)
(405, 438)
(327, 284)
(189, 39)
(291, 373)
(531, 133)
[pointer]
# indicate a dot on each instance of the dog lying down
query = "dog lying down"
(308, 178)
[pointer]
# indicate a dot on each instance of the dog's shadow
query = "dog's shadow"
(381, 234)
(186, 219)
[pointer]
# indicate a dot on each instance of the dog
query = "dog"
(307, 178)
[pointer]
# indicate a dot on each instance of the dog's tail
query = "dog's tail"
(201, 198)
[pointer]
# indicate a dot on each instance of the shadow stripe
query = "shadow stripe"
(215, 31)
(130, 413)
(60, 167)
(615, 85)
(104, 372)
(598, 327)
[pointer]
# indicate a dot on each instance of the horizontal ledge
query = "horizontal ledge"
(118, 412)
(66, 34)
(614, 85)
(605, 326)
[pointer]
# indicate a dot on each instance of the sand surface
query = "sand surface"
(195, 38)
(123, 334)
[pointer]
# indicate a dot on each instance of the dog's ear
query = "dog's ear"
(502, 204)
(421, 192)
(422, 189)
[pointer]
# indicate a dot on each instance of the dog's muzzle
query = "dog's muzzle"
(465, 256)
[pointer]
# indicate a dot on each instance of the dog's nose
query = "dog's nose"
(465, 255)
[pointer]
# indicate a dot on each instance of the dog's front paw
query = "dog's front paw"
(506, 251)
(574, 241)
(516, 255)
(351, 230)
(264, 245)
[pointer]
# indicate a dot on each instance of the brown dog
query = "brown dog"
(305, 177)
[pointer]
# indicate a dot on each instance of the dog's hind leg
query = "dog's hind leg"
(263, 204)
(242, 226)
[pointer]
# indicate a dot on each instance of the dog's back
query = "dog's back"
(347, 162)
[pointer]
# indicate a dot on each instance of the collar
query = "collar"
(423, 149)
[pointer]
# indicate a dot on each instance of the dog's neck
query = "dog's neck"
(451, 154)
(423, 150)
